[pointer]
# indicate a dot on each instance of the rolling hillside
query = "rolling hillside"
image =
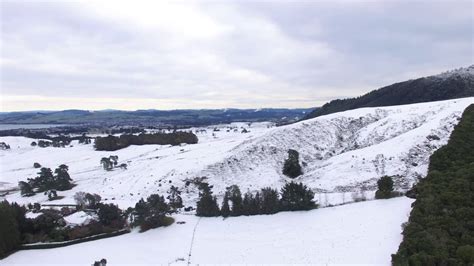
(341, 153)
(449, 85)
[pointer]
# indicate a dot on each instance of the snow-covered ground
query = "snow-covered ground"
(341, 153)
(360, 233)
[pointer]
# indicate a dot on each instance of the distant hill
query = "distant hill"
(154, 117)
(453, 84)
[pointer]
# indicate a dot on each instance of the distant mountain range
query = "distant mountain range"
(453, 84)
(154, 117)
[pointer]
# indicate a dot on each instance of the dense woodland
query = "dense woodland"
(412, 91)
(112, 143)
(440, 230)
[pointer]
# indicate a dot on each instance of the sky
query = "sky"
(220, 54)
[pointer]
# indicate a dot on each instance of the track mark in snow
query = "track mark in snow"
(192, 241)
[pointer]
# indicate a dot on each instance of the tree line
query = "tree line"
(292, 197)
(113, 143)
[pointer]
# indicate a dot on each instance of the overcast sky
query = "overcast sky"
(217, 54)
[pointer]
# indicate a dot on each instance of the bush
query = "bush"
(292, 167)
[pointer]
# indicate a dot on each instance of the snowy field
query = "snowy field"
(359, 233)
(343, 154)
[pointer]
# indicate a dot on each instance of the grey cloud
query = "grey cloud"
(282, 54)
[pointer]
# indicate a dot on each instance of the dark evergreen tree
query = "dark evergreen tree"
(62, 180)
(247, 203)
(10, 235)
(152, 212)
(385, 188)
(44, 181)
(292, 167)
(269, 201)
(110, 214)
(174, 198)
(225, 209)
(296, 196)
(141, 212)
(207, 204)
(37, 165)
(25, 189)
(235, 196)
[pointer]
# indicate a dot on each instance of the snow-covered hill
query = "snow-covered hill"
(362, 233)
(342, 152)
(345, 151)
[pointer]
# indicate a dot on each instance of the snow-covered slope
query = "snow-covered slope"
(342, 152)
(345, 151)
(362, 233)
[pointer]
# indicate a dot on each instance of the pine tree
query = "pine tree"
(174, 198)
(296, 196)
(235, 196)
(247, 203)
(207, 204)
(269, 201)
(9, 231)
(109, 214)
(292, 167)
(25, 189)
(62, 180)
(225, 209)
(385, 188)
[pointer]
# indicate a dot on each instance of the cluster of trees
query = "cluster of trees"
(50, 226)
(153, 212)
(53, 143)
(46, 181)
(292, 197)
(440, 230)
(112, 143)
(59, 141)
(109, 163)
(292, 167)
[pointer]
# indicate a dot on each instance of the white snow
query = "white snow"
(341, 153)
(79, 218)
(32, 215)
(360, 233)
